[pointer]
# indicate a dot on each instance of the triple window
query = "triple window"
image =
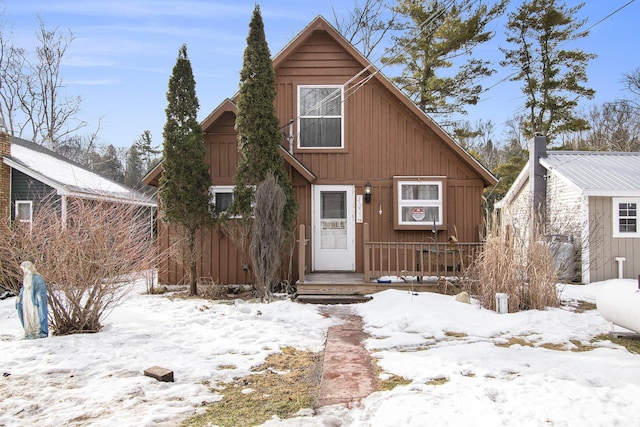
(320, 112)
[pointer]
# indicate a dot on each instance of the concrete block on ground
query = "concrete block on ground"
(161, 374)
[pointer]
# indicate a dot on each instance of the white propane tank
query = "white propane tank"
(619, 303)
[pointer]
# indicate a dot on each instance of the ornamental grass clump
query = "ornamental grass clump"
(523, 270)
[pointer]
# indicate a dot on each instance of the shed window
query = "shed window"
(625, 217)
(320, 115)
(419, 203)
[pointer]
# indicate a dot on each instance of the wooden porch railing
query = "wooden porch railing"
(302, 257)
(416, 258)
(403, 258)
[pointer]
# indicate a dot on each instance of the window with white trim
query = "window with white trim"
(320, 116)
(220, 198)
(24, 211)
(625, 217)
(418, 203)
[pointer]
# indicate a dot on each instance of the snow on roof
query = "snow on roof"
(597, 173)
(68, 177)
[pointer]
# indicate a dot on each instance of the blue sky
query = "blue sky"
(124, 51)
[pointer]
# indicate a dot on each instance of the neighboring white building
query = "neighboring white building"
(591, 198)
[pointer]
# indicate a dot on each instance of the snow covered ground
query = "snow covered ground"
(97, 379)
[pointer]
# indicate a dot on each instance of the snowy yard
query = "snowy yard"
(460, 374)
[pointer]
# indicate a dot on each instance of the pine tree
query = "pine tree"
(185, 179)
(552, 77)
(258, 127)
(108, 164)
(436, 38)
(147, 152)
(134, 169)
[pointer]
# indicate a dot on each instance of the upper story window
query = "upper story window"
(625, 217)
(418, 203)
(320, 113)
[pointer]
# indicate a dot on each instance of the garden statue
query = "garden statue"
(32, 305)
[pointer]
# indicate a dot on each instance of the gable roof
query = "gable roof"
(597, 173)
(67, 177)
(321, 24)
(153, 176)
(592, 173)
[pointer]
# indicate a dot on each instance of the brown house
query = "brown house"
(382, 189)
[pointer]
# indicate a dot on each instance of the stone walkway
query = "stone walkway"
(347, 372)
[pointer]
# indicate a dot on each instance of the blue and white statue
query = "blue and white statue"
(32, 305)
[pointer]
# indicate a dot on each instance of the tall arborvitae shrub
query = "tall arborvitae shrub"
(258, 140)
(185, 181)
(258, 127)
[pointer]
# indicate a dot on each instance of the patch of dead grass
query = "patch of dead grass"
(392, 382)
(454, 334)
(283, 385)
(438, 381)
(632, 344)
(581, 306)
(576, 347)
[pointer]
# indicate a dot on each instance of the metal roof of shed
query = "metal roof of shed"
(597, 173)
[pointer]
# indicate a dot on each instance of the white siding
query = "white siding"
(564, 208)
(517, 213)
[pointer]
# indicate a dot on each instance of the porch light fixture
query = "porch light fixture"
(367, 192)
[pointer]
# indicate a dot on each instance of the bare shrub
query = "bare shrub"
(267, 237)
(88, 263)
(523, 270)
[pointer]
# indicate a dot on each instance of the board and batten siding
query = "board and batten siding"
(604, 247)
(383, 138)
(218, 259)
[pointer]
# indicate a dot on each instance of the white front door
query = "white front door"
(333, 228)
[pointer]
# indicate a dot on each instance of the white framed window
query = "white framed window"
(24, 211)
(625, 217)
(320, 116)
(418, 202)
(220, 198)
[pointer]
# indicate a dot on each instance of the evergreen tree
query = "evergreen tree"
(185, 179)
(134, 168)
(141, 158)
(552, 77)
(108, 164)
(148, 153)
(436, 38)
(258, 127)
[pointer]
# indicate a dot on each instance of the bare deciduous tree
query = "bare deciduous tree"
(632, 83)
(88, 263)
(268, 235)
(367, 25)
(30, 92)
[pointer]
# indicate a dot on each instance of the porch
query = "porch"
(410, 266)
